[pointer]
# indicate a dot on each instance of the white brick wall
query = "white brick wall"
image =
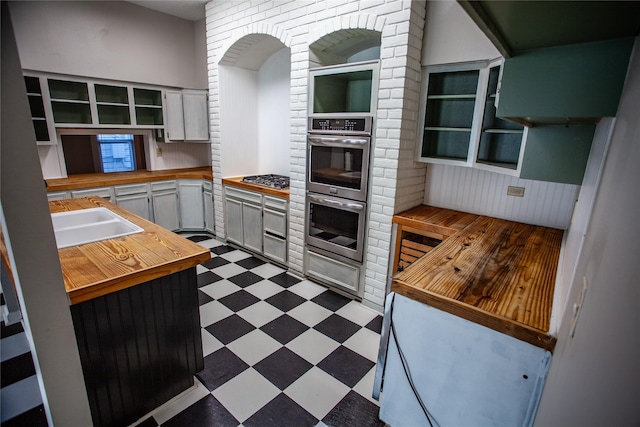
(397, 181)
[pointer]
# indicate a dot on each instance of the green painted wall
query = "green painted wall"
(552, 84)
(557, 153)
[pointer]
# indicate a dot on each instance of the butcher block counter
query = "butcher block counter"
(497, 273)
(100, 268)
(90, 180)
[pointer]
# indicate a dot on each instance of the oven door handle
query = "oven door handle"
(356, 206)
(324, 140)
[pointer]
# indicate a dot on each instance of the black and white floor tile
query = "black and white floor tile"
(20, 398)
(279, 351)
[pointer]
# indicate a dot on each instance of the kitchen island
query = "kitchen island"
(134, 306)
(468, 320)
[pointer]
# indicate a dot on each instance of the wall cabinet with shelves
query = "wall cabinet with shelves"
(61, 102)
(70, 102)
(459, 123)
(460, 126)
(112, 104)
(148, 107)
(42, 122)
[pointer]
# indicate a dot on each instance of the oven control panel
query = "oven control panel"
(351, 125)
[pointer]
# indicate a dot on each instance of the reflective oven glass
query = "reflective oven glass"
(338, 165)
(336, 225)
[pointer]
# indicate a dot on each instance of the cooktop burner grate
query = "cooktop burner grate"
(280, 182)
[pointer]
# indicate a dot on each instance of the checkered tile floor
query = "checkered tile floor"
(279, 351)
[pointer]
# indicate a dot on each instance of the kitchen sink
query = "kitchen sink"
(90, 225)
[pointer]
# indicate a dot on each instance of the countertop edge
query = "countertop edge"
(490, 320)
(194, 254)
(117, 178)
(89, 292)
(237, 182)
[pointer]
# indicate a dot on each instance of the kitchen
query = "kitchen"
(395, 196)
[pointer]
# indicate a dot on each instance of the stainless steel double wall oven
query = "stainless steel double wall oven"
(338, 151)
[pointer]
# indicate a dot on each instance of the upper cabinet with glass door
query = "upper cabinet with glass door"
(458, 123)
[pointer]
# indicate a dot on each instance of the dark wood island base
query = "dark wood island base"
(134, 305)
(139, 347)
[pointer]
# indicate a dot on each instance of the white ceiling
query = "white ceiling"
(193, 10)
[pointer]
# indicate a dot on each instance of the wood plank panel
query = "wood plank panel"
(139, 347)
(97, 268)
(494, 272)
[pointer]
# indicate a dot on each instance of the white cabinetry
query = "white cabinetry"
(164, 199)
(185, 204)
(187, 115)
(257, 222)
(191, 204)
(207, 197)
(41, 117)
(134, 198)
(275, 228)
(58, 195)
(244, 218)
(104, 192)
(459, 123)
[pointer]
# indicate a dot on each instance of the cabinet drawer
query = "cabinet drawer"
(103, 192)
(277, 203)
(245, 196)
(164, 185)
(275, 222)
(125, 190)
(332, 271)
(207, 185)
(275, 248)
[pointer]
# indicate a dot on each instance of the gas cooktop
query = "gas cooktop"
(280, 182)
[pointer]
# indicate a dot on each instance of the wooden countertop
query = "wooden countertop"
(494, 272)
(99, 268)
(237, 182)
(89, 180)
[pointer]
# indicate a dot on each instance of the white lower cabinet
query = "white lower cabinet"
(465, 374)
(207, 200)
(58, 195)
(164, 199)
(134, 198)
(191, 204)
(257, 222)
(275, 226)
(183, 204)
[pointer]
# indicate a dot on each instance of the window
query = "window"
(117, 152)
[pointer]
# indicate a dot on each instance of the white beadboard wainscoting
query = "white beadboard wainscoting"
(473, 190)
